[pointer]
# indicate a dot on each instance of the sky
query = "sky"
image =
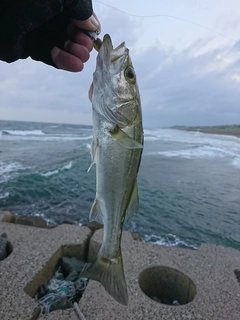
(186, 55)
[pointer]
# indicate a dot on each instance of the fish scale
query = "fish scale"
(116, 150)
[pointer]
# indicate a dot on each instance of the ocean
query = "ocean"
(189, 182)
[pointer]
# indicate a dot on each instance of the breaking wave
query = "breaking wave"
(50, 173)
(4, 195)
(196, 152)
(193, 145)
(9, 170)
(236, 162)
(170, 240)
(46, 137)
(23, 132)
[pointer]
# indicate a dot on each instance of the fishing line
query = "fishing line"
(167, 16)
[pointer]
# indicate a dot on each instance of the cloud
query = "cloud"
(191, 85)
(188, 87)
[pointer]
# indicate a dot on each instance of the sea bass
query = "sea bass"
(116, 150)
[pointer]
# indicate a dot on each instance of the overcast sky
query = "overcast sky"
(188, 74)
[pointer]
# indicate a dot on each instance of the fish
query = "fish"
(116, 150)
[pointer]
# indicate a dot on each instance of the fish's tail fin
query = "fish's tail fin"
(110, 274)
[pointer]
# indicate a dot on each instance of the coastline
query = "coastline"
(233, 130)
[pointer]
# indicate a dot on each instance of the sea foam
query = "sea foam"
(23, 132)
(170, 240)
(56, 171)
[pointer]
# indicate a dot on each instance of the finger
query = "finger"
(84, 40)
(66, 61)
(77, 50)
(91, 24)
(78, 36)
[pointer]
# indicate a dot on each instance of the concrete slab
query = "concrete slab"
(210, 267)
(32, 261)
(36, 252)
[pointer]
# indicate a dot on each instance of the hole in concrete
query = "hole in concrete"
(6, 247)
(58, 284)
(237, 274)
(9, 248)
(167, 285)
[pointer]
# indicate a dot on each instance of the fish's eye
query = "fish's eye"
(130, 75)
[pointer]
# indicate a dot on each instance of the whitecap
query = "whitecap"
(150, 138)
(201, 151)
(170, 240)
(56, 171)
(50, 138)
(236, 162)
(23, 132)
(4, 195)
(9, 170)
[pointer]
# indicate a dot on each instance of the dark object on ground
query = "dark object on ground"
(136, 236)
(61, 304)
(70, 222)
(3, 246)
(64, 288)
(7, 216)
(93, 226)
(71, 264)
(31, 221)
(72, 276)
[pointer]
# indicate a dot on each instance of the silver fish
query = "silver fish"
(116, 150)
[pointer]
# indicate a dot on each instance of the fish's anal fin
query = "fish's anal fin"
(93, 151)
(96, 213)
(111, 275)
(122, 138)
(133, 204)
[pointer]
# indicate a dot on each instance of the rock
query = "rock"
(69, 222)
(3, 246)
(31, 221)
(71, 264)
(41, 291)
(72, 276)
(7, 216)
(136, 236)
(93, 226)
(61, 304)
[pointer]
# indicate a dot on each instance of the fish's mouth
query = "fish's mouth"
(109, 54)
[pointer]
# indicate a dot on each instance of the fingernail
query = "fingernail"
(94, 22)
(66, 44)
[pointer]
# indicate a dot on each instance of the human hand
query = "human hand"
(77, 47)
(49, 31)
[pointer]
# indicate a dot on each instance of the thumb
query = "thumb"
(91, 24)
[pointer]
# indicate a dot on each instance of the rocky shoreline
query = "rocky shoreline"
(233, 130)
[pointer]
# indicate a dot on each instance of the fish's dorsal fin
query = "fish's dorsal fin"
(122, 138)
(96, 213)
(93, 151)
(133, 204)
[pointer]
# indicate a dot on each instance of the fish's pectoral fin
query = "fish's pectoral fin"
(122, 138)
(96, 213)
(133, 204)
(94, 146)
(110, 274)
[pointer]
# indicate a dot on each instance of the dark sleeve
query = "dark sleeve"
(33, 27)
